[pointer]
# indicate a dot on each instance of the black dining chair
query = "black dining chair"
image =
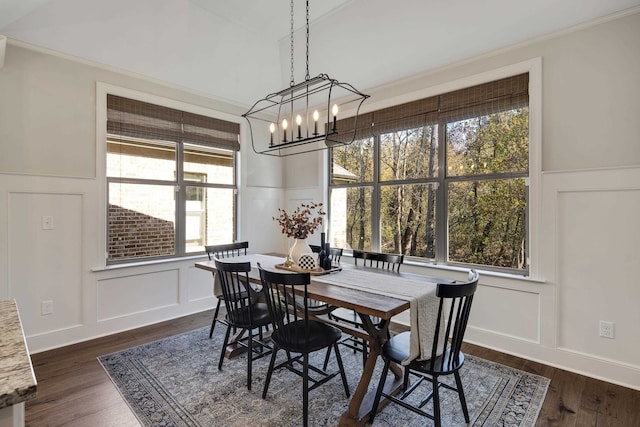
(244, 311)
(378, 260)
(336, 253)
(295, 332)
(446, 355)
(225, 250)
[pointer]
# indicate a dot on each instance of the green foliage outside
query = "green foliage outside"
(486, 167)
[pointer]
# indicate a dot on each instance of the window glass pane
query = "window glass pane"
(141, 221)
(496, 143)
(407, 223)
(353, 162)
(409, 154)
(209, 165)
(141, 159)
(209, 217)
(487, 222)
(351, 218)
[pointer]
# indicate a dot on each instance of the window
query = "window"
(171, 181)
(443, 178)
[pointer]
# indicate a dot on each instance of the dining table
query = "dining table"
(376, 295)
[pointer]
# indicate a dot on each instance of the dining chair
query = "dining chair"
(225, 250)
(446, 355)
(294, 332)
(378, 260)
(336, 253)
(244, 311)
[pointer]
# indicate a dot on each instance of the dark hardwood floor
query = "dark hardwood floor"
(74, 390)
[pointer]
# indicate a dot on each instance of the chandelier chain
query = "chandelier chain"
(292, 81)
(307, 77)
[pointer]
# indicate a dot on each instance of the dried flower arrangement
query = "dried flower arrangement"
(301, 222)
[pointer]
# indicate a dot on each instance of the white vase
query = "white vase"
(299, 247)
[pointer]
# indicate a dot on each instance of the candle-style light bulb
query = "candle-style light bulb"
(334, 110)
(316, 116)
(272, 128)
(299, 122)
(284, 129)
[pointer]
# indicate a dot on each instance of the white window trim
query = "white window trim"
(102, 89)
(534, 68)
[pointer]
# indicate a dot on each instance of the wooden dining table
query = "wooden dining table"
(368, 304)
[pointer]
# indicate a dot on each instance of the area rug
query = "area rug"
(176, 382)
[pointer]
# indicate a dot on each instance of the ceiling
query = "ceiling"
(239, 50)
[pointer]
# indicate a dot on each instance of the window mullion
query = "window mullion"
(441, 197)
(375, 197)
(181, 191)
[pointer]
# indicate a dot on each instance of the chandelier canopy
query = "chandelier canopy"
(304, 116)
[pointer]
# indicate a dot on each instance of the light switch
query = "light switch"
(47, 222)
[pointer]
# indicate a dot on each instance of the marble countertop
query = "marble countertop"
(17, 380)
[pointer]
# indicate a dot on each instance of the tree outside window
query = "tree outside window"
(462, 201)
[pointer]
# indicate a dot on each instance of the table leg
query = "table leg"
(233, 348)
(361, 402)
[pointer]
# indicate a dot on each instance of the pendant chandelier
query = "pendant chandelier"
(304, 117)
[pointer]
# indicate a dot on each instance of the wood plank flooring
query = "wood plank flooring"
(74, 390)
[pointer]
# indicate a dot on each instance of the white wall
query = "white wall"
(588, 199)
(50, 158)
(586, 232)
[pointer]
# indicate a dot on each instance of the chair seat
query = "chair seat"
(320, 336)
(397, 349)
(241, 319)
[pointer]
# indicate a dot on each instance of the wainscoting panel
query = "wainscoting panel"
(45, 259)
(199, 284)
(128, 295)
(509, 312)
(598, 258)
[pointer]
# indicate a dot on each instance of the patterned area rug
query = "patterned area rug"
(175, 382)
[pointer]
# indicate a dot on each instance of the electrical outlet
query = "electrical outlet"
(46, 307)
(606, 329)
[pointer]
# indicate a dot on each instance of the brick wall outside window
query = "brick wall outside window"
(134, 234)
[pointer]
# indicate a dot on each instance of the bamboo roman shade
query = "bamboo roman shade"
(133, 118)
(488, 98)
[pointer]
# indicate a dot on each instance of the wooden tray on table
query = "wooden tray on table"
(318, 271)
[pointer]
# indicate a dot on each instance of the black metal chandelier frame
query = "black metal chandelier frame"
(295, 103)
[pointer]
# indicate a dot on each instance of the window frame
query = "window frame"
(104, 89)
(534, 68)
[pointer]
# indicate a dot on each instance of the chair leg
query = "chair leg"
(405, 382)
(326, 359)
(376, 401)
(215, 317)
(267, 380)
(305, 390)
(436, 402)
(463, 400)
(249, 358)
(341, 367)
(224, 347)
(364, 353)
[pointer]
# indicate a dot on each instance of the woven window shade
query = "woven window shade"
(346, 128)
(484, 99)
(488, 98)
(422, 112)
(132, 118)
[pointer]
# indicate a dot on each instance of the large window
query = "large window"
(443, 179)
(171, 181)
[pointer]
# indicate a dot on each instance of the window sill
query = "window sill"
(113, 267)
(458, 269)
(486, 273)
